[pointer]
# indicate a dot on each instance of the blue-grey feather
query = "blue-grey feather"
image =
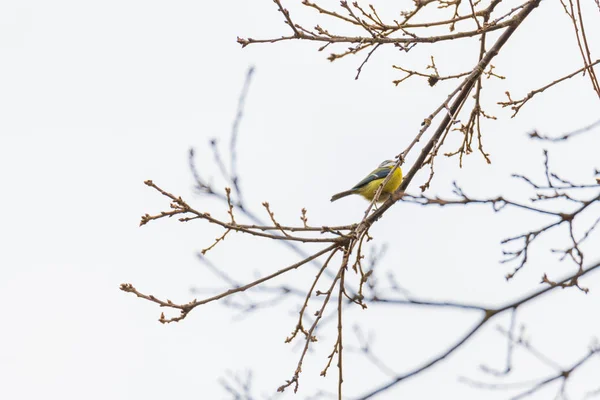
(379, 173)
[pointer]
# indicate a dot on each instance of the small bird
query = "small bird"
(368, 186)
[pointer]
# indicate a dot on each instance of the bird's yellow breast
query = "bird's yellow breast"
(368, 191)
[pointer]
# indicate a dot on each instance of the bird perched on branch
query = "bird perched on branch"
(368, 186)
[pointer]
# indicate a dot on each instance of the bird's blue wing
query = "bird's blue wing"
(379, 173)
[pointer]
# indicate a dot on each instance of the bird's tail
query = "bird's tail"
(342, 194)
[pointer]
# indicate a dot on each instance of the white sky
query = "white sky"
(96, 97)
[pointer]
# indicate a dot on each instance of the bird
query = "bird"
(368, 186)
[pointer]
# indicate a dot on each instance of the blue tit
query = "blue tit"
(368, 186)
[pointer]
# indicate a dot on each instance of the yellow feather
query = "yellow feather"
(368, 191)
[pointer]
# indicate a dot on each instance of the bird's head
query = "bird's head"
(387, 164)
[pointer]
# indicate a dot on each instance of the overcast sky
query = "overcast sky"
(96, 97)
